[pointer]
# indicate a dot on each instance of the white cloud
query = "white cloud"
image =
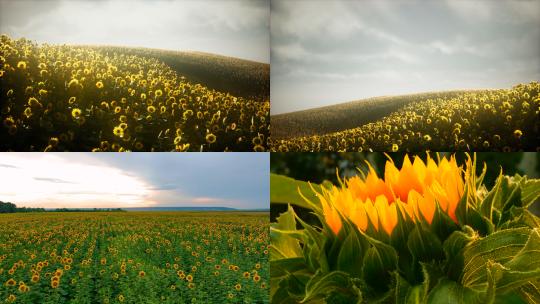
(51, 181)
(326, 52)
(235, 28)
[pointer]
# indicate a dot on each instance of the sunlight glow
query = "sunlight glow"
(53, 182)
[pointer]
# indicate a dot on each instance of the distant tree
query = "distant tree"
(7, 207)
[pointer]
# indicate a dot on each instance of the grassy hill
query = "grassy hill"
(242, 78)
(474, 120)
(101, 98)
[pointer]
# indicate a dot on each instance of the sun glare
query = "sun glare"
(52, 182)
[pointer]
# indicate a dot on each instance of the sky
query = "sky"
(121, 180)
(237, 28)
(328, 52)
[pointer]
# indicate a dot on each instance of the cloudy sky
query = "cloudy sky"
(327, 52)
(110, 180)
(238, 28)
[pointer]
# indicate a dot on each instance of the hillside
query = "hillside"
(242, 78)
(479, 120)
(344, 116)
(99, 98)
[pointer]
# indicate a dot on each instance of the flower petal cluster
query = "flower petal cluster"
(415, 190)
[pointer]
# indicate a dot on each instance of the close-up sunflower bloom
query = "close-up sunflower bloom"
(404, 228)
(415, 189)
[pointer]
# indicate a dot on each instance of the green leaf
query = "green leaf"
(283, 267)
(498, 247)
(284, 245)
(530, 292)
(453, 247)
(530, 192)
(321, 285)
(284, 190)
(450, 292)
(442, 225)
(510, 193)
(424, 245)
(288, 278)
(379, 262)
(479, 222)
(523, 268)
(351, 254)
(486, 207)
(431, 273)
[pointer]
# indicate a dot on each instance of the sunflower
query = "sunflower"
(76, 113)
(27, 112)
(189, 278)
(142, 274)
(21, 65)
(121, 298)
(23, 288)
(11, 298)
(238, 287)
(99, 85)
(55, 283)
(210, 138)
(118, 131)
(415, 189)
(11, 282)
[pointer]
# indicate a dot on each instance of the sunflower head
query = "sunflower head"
(415, 190)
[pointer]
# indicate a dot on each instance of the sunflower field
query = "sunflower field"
(76, 98)
(428, 232)
(145, 257)
(487, 120)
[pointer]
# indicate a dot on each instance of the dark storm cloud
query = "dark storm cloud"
(325, 52)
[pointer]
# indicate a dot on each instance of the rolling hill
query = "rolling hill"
(473, 120)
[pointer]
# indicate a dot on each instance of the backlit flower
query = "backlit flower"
(415, 189)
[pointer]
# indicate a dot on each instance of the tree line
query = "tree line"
(7, 207)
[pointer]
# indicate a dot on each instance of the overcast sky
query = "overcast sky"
(238, 28)
(327, 52)
(110, 180)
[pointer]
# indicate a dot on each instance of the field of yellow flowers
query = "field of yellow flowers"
(152, 257)
(486, 120)
(75, 98)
